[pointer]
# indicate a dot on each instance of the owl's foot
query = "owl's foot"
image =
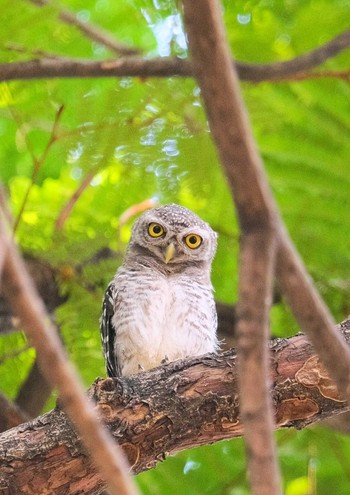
(165, 360)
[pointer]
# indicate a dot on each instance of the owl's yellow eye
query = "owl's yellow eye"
(193, 240)
(155, 230)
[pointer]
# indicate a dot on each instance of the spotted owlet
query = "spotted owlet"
(160, 306)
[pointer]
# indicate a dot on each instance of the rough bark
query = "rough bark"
(169, 409)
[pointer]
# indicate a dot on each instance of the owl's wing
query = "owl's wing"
(108, 333)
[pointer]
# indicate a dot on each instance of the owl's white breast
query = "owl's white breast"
(160, 318)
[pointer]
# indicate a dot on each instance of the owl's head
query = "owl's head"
(172, 235)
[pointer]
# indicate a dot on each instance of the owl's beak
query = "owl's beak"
(169, 252)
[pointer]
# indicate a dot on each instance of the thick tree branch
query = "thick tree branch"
(169, 409)
(53, 67)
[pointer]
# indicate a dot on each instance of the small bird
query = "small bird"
(160, 306)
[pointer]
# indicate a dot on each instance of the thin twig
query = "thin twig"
(21, 293)
(324, 74)
(53, 67)
(94, 33)
(66, 210)
(37, 163)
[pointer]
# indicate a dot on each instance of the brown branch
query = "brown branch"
(220, 91)
(53, 67)
(305, 76)
(94, 33)
(10, 414)
(38, 163)
(169, 409)
(311, 313)
(20, 291)
(256, 268)
(66, 210)
(34, 392)
(254, 203)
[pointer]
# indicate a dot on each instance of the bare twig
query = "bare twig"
(136, 210)
(322, 74)
(65, 212)
(52, 67)
(94, 33)
(37, 162)
(26, 303)
(34, 392)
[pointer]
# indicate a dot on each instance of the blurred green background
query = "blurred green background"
(134, 138)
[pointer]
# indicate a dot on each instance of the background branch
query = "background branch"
(53, 67)
(94, 33)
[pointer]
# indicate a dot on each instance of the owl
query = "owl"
(160, 306)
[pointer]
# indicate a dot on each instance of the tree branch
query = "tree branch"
(255, 205)
(256, 268)
(169, 409)
(94, 33)
(53, 67)
(10, 414)
(229, 124)
(20, 291)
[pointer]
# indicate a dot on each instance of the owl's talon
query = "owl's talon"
(165, 360)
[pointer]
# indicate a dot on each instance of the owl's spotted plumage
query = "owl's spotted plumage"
(160, 304)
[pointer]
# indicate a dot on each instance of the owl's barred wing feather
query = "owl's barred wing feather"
(108, 333)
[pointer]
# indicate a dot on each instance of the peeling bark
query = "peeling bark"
(175, 407)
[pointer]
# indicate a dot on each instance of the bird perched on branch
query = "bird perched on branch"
(160, 306)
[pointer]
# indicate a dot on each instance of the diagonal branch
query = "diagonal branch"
(172, 408)
(53, 67)
(20, 291)
(258, 217)
(255, 205)
(94, 33)
(220, 91)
